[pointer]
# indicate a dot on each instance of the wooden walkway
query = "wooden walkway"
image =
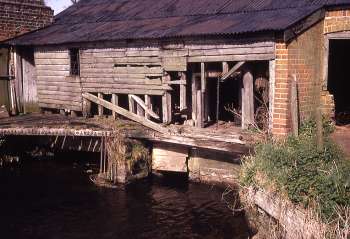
(231, 140)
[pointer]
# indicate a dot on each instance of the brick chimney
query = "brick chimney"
(20, 16)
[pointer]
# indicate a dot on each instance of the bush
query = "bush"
(296, 168)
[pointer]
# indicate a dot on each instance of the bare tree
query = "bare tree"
(74, 1)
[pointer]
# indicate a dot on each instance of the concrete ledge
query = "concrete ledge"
(297, 222)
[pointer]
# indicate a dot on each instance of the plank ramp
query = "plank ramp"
(125, 113)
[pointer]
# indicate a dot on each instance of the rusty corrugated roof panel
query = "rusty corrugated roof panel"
(98, 20)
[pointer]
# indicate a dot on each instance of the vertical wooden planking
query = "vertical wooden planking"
(247, 100)
(100, 107)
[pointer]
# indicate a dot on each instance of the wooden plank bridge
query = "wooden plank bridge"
(231, 141)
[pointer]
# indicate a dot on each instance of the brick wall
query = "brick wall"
(21, 16)
(336, 21)
(302, 58)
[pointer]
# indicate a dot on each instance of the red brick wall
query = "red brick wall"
(303, 58)
(337, 20)
(21, 16)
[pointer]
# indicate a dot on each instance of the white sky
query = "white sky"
(58, 5)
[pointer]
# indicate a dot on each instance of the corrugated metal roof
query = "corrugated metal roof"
(98, 20)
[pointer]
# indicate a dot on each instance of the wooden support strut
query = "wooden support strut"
(143, 105)
(125, 113)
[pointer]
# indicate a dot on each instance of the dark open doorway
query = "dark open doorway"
(339, 79)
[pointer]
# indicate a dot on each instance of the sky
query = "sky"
(58, 5)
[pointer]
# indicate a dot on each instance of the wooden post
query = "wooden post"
(115, 101)
(294, 107)
(166, 102)
(131, 105)
(139, 110)
(247, 100)
(200, 119)
(225, 67)
(166, 107)
(86, 108)
(73, 114)
(204, 107)
(319, 129)
(194, 99)
(62, 112)
(183, 97)
(18, 80)
(148, 104)
(272, 80)
(100, 107)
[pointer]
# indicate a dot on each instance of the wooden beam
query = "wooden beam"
(272, 80)
(115, 101)
(144, 106)
(225, 68)
(125, 113)
(294, 107)
(247, 100)
(86, 108)
(176, 82)
(148, 104)
(183, 91)
(131, 104)
(200, 116)
(233, 70)
(166, 108)
(194, 98)
(100, 108)
(204, 106)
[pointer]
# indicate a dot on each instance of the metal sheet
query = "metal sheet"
(99, 20)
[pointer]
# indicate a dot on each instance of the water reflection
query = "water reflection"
(55, 199)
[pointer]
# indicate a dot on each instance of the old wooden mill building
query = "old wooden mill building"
(204, 64)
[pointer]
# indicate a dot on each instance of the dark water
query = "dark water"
(55, 199)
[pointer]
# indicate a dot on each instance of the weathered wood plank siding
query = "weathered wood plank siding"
(137, 68)
(56, 88)
(123, 70)
(229, 51)
(131, 68)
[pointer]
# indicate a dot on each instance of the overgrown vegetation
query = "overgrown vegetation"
(307, 176)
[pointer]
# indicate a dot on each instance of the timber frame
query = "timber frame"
(137, 80)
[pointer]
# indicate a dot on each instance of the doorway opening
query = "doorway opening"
(339, 80)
